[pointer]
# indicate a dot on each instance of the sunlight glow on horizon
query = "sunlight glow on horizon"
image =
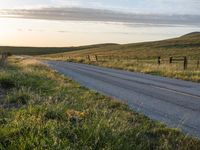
(63, 23)
(27, 32)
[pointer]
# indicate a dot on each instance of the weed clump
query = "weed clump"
(7, 83)
(53, 115)
(21, 97)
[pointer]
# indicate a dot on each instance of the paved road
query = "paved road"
(174, 102)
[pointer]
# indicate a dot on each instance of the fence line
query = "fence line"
(159, 60)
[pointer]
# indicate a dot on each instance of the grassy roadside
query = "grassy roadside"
(147, 66)
(45, 110)
(150, 67)
(142, 57)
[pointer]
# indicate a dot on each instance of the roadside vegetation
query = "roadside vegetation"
(42, 109)
(142, 57)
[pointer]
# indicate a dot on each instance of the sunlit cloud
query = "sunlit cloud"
(88, 14)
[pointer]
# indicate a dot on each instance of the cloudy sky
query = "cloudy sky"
(82, 22)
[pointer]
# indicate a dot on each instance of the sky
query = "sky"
(83, 22)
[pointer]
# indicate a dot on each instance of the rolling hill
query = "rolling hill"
(46, 50)
(187, 45)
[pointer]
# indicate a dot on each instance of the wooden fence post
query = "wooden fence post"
(96, 57)
(4, 57)
(159, 60)
(198, 63)
(170, 60)
(89, 57)
(185, 62)
(1, 60)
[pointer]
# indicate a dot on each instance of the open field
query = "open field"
(174, 102)
(45, 110)
(142, 57)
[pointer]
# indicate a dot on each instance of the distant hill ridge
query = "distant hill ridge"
(47, 50)
(181, 45)
(192, 34)
(187, 45)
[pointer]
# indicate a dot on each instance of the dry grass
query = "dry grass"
(27, 61)
(142, 57)
(54, 112)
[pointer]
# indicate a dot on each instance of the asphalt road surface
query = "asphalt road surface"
(173, 102)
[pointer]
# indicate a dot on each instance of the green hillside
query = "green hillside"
(188, 45)
(46, 50)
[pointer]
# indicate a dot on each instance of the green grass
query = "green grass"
(45, 110)
(142, 57)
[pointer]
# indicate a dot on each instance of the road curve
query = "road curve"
(173, 102)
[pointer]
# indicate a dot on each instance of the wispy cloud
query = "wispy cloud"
(191, 7)
(137, 6)
(88, 14)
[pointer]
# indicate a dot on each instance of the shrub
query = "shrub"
(53, 115)
(20, 99)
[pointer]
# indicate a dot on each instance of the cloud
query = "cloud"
(88, 14)
(136, 6)
(139, 6)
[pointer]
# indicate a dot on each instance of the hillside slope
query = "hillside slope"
(46, 50)
(188, 45)
(142, 57)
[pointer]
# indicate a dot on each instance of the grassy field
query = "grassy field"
(45, 110)
(142, 57)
